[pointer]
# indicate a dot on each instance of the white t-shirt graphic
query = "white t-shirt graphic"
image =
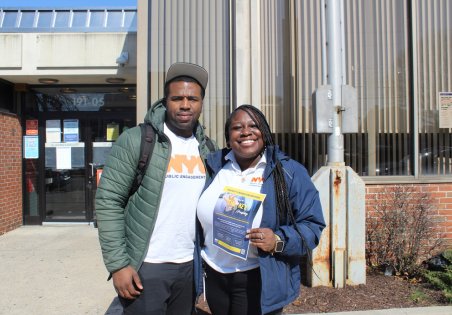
(174, 233)
(230, 175)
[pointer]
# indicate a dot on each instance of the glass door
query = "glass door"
(104, 131)
(76, 148)
(64, 170)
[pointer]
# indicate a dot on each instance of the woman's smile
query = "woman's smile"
(245, 139)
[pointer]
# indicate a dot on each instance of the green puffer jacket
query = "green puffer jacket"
(125, 227)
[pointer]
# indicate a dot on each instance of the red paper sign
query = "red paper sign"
(32, 127)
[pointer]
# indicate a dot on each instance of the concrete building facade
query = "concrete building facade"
(265, 53)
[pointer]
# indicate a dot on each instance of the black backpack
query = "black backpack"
(147, 147)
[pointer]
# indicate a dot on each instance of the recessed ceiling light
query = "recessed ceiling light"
(132, 97)
(126, 90)
(68, 91)
(48, 81)
(116, 80)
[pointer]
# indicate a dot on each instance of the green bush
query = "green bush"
(442, 279)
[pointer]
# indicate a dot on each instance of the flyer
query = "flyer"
(112, 132)
(445, 109)
(31, 147)
(31, 127)
(63, 158)
(233, 215)
(70, 130)
(53, 131)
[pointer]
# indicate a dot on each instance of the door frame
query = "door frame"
(87, 117)
(89, 176)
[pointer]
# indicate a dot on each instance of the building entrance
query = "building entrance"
(68, 134)
(76, 146)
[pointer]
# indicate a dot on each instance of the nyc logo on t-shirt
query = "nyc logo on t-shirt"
(177, 163)
(256, 181)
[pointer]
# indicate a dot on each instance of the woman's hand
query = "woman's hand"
(262, 238)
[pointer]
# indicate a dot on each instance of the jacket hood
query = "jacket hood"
(156, 117)
(216, 160)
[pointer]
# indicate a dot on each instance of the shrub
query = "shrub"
(442, 279)
(401, 229)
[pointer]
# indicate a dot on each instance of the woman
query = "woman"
(287, 225)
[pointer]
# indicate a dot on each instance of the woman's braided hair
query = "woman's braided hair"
(283, 208)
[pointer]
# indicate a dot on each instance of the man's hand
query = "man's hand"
(122, 281)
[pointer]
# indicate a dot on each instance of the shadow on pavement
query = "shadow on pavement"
(115, 307)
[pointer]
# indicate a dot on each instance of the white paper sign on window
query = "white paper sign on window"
(445, 109)
(63, 158)
(71, 130)
(53, 131)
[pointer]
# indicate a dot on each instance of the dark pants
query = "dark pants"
(236, 293)
(167, 289)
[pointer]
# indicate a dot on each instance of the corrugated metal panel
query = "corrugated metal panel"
(197, 32)
(291, 69)
(377, 59)
(434, 37)
(377, 66)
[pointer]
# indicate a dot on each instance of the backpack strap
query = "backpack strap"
(146, 149)
(209, 144)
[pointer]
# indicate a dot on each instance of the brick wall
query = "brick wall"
(10, 173)
(442, 195)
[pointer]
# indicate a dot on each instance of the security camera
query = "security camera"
(123, 59)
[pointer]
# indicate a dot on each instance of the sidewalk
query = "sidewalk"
(59, 270)
(53, 270)
(435, 310)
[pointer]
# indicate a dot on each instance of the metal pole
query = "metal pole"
(334, 55)
(344, 72)
(323, 30)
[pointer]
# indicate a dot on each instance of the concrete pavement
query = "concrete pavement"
(435, 310)
(59, 270)
(53, 270)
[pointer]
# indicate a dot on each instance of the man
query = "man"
(147, 240)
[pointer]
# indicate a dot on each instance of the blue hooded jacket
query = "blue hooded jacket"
(280, 273)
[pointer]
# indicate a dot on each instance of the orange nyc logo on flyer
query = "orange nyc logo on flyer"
(177, 161)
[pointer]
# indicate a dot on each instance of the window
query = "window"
(434, 75)
(377, 65)
(27, 18)
(97, 19)
(114, 19)
(45, 19)
(62, 19)
(291, 69)
(6, 97)
(79, 19)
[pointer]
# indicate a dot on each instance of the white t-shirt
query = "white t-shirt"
(231, 175)
(174, 232)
